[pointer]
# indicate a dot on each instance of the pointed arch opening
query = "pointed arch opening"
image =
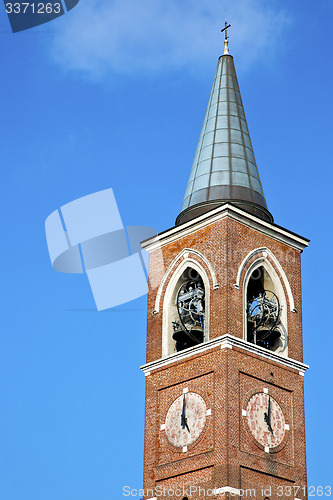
(265, 308)
(185, 309)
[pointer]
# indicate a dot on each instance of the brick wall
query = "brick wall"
(226, 244)
(226, 453)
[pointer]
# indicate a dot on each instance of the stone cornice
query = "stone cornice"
(225, 342)
(235, 213)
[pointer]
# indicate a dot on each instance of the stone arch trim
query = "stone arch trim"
(262, 254)
(184, 256)
(183, 265)
(262, 260)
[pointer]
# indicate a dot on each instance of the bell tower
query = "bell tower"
(224, 368)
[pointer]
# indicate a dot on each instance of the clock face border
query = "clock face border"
(207, 425)
(196, 408)
(244, 419)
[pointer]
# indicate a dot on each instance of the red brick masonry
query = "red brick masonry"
(226, 453)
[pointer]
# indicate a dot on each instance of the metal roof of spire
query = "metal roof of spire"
(224, 169)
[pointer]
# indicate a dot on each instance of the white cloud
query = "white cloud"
(140, 37)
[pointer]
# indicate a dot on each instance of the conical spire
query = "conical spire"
(224, 167)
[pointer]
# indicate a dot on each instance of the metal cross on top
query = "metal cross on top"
(225, 29)
(226, 26)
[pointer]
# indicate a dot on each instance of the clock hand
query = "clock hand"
(267, 416)
(183, 419)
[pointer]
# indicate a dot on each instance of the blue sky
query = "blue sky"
(113, 95)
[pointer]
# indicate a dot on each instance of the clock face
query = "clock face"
(185, 419)
(266, 420)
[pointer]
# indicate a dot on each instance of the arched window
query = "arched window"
(184, 312)
(265, 309)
